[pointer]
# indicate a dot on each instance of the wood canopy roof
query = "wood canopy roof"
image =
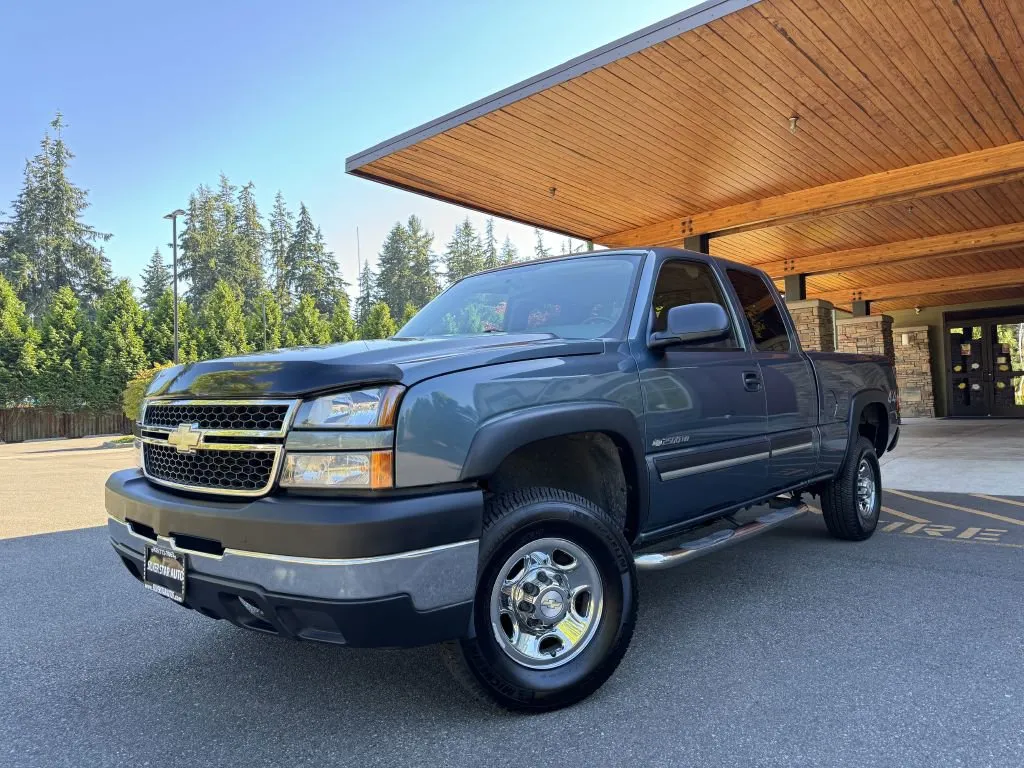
(901, 180)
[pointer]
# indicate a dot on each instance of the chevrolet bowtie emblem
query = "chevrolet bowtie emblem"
(186, 438)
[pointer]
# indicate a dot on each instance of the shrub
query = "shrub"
(136, 388)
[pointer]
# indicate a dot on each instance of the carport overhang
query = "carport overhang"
(868, 152)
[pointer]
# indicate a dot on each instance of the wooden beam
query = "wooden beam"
(969, 282)
(951, 174)
(955, 244)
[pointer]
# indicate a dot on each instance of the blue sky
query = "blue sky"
(160, 97)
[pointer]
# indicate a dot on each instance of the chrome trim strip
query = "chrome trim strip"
(339, 440)
(791, 449)
(712, 466)
(433, 577)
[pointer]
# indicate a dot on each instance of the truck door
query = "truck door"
(704, 403)
(789, 384)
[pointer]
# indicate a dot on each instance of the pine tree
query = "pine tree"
(19, 349)
(540, 251)
(394, 267)
(45, 245)
(307, 326)
(156, 279)
(342, 326)
(312, 270)
(222, 324)
(491, 259)
(266, 322)
(65, 365)
(119, 348)
(200, 239)
(158, 331)
(509, 254)
(249, 246)
(422, 283)
(465, 254)
(280, 233)
(367, 294)
(378, 324)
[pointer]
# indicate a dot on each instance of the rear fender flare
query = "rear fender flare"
(858, 403)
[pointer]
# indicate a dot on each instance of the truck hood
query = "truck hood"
(310, 370)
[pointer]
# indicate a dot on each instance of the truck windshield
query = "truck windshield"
(581, 298)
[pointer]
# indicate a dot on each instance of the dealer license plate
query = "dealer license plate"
(164, 572)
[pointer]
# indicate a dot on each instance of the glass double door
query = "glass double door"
(986, 367)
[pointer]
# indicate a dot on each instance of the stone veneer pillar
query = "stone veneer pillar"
(813, 319)
(871, 335)
(914, 371)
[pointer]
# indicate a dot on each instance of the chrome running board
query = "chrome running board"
(657, 561)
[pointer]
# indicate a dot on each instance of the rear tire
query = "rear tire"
(555, 605)
(852, 501)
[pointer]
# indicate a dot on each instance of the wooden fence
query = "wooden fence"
(18, 424)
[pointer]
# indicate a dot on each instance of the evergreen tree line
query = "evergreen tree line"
(72, 336)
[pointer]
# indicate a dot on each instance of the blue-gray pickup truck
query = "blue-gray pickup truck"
(493, 477)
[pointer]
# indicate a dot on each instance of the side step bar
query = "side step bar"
(657, 561)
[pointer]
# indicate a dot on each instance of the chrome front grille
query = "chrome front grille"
(260, 417)
(231, 447)
(213, 470)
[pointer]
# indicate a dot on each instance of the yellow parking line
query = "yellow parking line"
(997, 498)
(890, 511)
(904, 515)
(957, 507)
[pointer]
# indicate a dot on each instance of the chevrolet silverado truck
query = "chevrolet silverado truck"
(493, 477)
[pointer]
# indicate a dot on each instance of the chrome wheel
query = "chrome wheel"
(867, 491)
(546, 603)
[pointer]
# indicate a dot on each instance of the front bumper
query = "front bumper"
(347, 591)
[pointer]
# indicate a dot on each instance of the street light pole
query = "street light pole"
(173, 216)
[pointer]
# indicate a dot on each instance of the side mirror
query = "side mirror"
(692, 322)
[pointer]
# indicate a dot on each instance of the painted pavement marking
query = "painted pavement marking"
(947, 505)
(999, 499)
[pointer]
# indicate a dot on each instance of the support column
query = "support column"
(814, 324)
(698, 243)
(861, 308)
(914, 371)
(795, 287)
(871, 335)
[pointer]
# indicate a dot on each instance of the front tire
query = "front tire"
(555, 605)
(852, 501)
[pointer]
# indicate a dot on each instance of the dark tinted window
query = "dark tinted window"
(687, 282)
(763, 314)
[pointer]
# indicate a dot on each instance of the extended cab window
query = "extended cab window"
(687, 282)
(763, 315)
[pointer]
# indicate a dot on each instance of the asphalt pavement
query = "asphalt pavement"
(791, 650)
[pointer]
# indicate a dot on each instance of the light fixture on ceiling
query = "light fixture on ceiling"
(552, 191)
(793, 120)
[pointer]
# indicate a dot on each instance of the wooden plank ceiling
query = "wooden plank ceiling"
(655, 141)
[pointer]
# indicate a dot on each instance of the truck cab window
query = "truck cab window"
(687, 282)
(763, 315)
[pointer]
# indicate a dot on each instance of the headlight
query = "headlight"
(352, 469)
(363, 408)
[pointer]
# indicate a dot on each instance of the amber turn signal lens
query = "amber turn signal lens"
(382, 469)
